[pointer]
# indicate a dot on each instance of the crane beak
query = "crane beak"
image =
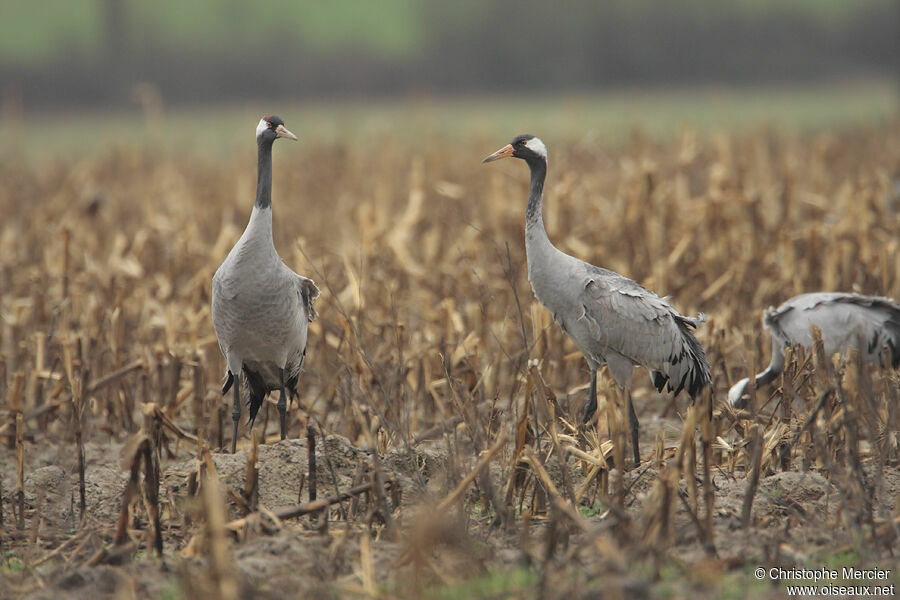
(282, 131)
(504, 152)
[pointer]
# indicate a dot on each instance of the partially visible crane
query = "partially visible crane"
(868, 323)
(261, 309)
(611, 319)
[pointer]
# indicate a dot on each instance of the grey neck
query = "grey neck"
(776, 365)
(264, 174)
(533, 214)
(766, 377)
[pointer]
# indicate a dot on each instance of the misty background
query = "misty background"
(100, 53)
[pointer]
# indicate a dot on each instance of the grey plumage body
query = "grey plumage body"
(868, 323)
(261, 309)
(613, 320)
(610, 318)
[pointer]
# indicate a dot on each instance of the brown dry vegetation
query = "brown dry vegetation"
(436, 387)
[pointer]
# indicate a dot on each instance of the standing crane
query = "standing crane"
(610, 318)
(261, 309)
(868, 323)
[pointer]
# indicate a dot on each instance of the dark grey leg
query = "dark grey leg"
(591, 407)
(236, 414)
(282, 405)
(633, 425)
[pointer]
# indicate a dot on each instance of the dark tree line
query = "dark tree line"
(471, 46)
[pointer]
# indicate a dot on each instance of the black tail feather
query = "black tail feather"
(680, 387)
(229, 380)
(291, 387)
(698, 376)
(659, 380)
(256, 391)
(291, 384)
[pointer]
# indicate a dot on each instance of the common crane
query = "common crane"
(846, 320)
(610, 318)
(261, 309)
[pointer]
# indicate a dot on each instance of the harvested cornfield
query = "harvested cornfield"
(440, 398)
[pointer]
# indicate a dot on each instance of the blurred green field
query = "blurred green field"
(221, 130)
(389, 27)
(66, 25)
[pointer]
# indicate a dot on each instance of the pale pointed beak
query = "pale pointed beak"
(282, 131)
(504, 152)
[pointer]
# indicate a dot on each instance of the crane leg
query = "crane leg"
(591, 407)
(633, 426)
(282, 405)
(235, 413)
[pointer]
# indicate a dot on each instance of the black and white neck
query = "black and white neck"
(536, 157)
(534, 212)
(265, 137)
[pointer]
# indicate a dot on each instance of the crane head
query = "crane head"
(272, 128)
(525, 146)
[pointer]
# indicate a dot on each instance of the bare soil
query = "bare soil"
(796, 519)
